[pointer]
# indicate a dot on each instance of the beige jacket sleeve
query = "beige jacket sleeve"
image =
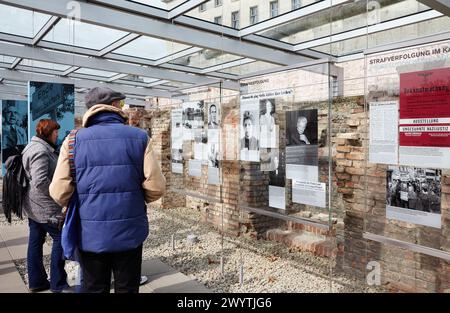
(155, 183)
(62, 187)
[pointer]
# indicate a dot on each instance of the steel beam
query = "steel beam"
(23, 76)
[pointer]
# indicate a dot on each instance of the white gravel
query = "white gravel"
(268, 266)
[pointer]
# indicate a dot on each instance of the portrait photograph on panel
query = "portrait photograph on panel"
(213, 116)
(277, 177)
(268, 157)
(302, 145)
(267, 118)
(249, 131)
(52, 101)
(14, 128)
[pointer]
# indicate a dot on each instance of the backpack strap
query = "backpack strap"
(72, 137)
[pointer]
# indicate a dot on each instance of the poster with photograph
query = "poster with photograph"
(52, 101)
(413, 195)
(424, 122)
(268, 128)
(249, 130)
(213, 156)
(195, 168)
(213, 116)
(193, 118)
(277, 182)
(200, 144)
(309, 193)
(268, 158)
(302, 145)
(177, 140)
(14, 128)
(383, 145)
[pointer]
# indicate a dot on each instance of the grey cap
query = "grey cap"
(102, 95)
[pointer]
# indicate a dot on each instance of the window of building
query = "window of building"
(217, 3)
(273, 8)
(202, 7)
(235, 19)
(296, 4)
(253, 15)
(218, 20)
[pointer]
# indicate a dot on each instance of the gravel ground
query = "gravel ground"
(267, 266)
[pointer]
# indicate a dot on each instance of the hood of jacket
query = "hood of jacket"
(93, 113)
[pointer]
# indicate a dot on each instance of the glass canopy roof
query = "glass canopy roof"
(150, 48)
(21, 22)
(165, 44)
(83, 35)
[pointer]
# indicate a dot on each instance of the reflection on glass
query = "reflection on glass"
(6, 59)
(21, 22)
(54, 66)
(83, 34)
(248, 68)
(239, 14)
(205, 58)
(89, 71)
(342, 18)
(150, 48)
(161, 4)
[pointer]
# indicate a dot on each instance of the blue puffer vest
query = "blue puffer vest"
(109, 158)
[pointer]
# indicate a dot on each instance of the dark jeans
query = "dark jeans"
(125, 265)
(37, 277)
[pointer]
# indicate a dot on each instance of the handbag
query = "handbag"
(70, 236)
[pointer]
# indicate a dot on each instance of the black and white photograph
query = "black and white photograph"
(213, 116)
(177, 161)
(277, 182)
(14, 128)
(213, 155)
(414, 195)
(277, 176)
(302, 145)
(249, 126)
(177, 129)
(267, 118)
(193, 118)
(268, 157)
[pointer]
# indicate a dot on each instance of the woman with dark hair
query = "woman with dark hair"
(39, 161)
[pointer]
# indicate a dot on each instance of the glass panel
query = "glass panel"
(21, 22)
(248, 12)
(141, 79)
(417, 30)
(53, 66)
(176, 84)
(83, 34)
(205, 58)
(6, 59)
(161, 4)
(89, 71)
(345, 17)
(150, 48)
(248, 68)
(406, 187)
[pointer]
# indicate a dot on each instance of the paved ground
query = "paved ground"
(13, 246)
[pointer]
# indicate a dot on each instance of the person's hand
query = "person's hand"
(303, 138)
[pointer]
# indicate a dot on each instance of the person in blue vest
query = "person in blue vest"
(117, 173)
